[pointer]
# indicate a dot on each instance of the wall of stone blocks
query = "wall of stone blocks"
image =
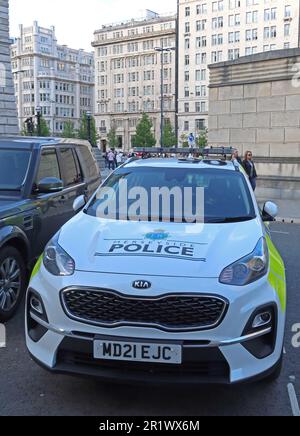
(263, 117)
(8, 111)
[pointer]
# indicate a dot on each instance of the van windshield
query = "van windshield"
(174, 195)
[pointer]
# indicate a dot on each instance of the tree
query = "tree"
(44, 130)
(144, 136)
(112, 138)
(184, 140)
(83, 132)
(69, 131)
(202, 140)
(169, 136)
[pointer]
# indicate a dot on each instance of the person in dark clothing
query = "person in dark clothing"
(250, 169)
(236, 157)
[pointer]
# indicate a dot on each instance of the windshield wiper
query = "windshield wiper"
(238, 219)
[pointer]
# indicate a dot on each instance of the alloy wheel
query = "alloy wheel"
(10, 283)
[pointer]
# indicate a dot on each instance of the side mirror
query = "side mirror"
(79, 203)
(50, 185)
(270, 211)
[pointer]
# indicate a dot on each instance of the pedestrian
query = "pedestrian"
(236, 158)
(250, 169)
(119, 158)
(111, 160)
(106, 159)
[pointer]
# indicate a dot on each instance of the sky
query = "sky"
(75, 21)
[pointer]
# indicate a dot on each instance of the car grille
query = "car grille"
(170, 312)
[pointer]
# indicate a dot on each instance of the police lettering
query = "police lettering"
(139, 248)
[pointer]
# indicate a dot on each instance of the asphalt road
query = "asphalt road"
(26, 389)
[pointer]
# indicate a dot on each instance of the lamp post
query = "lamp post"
(38, 117)
(162, 50)
(89, 127)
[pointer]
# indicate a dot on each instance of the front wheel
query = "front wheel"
(12, 281)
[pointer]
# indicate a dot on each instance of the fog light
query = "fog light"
(36, 305)
(262, 320)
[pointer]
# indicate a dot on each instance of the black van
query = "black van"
(39, 180)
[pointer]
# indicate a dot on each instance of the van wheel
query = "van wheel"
(13, 279)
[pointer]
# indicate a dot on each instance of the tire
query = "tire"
(276, 373)
(12, 272)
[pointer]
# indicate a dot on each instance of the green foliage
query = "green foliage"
(144, 136)
(44, 128)
(169, 136)
(112, 138)
(184, 140)
(83, 131)
(69, 130)
(24, 131)
(202, 140)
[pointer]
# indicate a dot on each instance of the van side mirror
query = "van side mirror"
(79, 203)
(50, 185)
(270, 211)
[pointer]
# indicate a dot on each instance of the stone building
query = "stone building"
(254, 104)
(56, 78)
(8, 114)
(219, 30)
(128, 75)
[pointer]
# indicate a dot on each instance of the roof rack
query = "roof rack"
(223, 152)
(167, 150)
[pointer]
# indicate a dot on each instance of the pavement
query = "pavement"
(26, 389)
(289, 210)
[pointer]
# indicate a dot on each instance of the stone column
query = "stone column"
(8, 110)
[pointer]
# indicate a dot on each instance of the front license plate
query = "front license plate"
(137, 352)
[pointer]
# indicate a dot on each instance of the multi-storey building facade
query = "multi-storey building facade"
(128, 75)
(56, 78)
(8, 113)
(221, 30)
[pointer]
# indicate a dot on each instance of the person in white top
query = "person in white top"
(119, 158)
(111, 160)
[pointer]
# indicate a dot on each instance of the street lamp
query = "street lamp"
(162, 50)
(89, 127)
(38, 117)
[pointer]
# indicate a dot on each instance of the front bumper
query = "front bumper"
(218, 356)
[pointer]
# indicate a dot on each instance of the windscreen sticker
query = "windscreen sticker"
(154, 244)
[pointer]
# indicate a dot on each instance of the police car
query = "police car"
(127, 293)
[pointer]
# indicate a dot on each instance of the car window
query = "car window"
(89, 163)
(226, 194)
(13, 168)
(49, 166)
(72, 173)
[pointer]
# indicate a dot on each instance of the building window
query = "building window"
(288, 11)
(200, 124)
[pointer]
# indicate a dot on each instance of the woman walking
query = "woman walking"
(250, 169)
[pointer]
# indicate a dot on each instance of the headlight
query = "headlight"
(249, 269)
(56, 260)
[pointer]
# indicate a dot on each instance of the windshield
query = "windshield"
(13, 169)
(174, 195)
